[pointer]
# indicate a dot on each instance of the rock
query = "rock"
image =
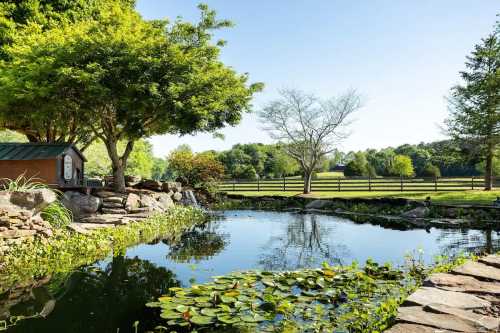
(76, 227)
(149, 202)
(461, 283)
(153, 185)
(114, 199)
(411, 328)
(131, 181)
(172, 186)
(92, 226)
(483, 323)
(112, 205)
(419, 212)
(177, 196)
(165, 201)
(16, 233)
(33, 201)
(80, 204)
(425, 295)
(478, 270)
(114, 211)
(416, 315)
(491, 260)
(318, 204)
(108, 194)
(132, 202)
(103, 219)
(140, 210)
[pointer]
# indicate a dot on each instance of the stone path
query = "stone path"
(465, 300)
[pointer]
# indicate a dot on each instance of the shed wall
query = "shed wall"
(45, 171)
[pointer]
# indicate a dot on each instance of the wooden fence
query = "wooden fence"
(356, 184)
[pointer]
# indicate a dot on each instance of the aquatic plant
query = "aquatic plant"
(333, 297)
(67, 250)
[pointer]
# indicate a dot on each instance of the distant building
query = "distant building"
(59, 165)
(339, 168)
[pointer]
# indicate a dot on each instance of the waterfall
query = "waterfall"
(189, 199)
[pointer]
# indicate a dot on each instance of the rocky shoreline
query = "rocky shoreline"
(393, 212)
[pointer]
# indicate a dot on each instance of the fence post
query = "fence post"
(284, 183)
(234, 184)
(472, 182)
(435, 184)
(338, 179)
(401, 180)
(258, 183)
(369, 183)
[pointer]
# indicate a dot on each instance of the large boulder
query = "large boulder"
(81, 204)
(149, 184)
(165, 201)
(416, 213)
(147, 201)
(318, 204)
(172, 187)
(132, 202)
(131, 181)
(32, 202)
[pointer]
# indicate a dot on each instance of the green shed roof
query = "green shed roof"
(34, 151)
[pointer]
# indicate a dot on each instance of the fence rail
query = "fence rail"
(356, 184)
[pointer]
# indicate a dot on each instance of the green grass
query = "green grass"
(330, 174)
(458, 197)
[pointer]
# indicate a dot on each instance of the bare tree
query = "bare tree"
(309, 127)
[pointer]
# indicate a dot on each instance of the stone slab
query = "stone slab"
(491, 260)
(462, 283)
(76, 227)
(411, 328)
(416, 315)
(17, 233)
(428, 295)
(92, 226)
(483, 323)
(478, 270)
(103, 219)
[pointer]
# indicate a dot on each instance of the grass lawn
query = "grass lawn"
(459, 197)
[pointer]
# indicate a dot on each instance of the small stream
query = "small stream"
(111, 293)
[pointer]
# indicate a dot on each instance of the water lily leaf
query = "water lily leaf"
(153, 304)
(252, 319)
(181, 308)
(227, 319)
(201, 320)
(170, 315)
(226, 299)
(165, 299)
(268, 283)
(232, 293)
(209, 312)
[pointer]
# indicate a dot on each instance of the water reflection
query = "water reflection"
(304, 242)
(200, 244)
(478, 242)
(98, 299)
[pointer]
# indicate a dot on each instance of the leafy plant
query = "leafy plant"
(21, 184)
(57, 215)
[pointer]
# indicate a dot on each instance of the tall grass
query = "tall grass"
(21, 184)
(57, 215)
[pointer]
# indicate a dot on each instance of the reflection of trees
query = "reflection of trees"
(102, 300)
(199, 244)
(305, 243)
(453, 241)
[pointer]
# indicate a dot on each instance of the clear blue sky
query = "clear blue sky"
(403, 56)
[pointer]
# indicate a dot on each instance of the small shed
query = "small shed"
(59, 165)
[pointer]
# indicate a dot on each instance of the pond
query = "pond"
(111, 293)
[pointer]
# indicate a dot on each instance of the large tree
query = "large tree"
(65, 123)
(126, 78)
(309, 127)
(475, 104)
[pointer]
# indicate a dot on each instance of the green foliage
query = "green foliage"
(202, 171)
(11, 136)
(57, 215)
(21, 184)
(140, 163)
(332, 298)
(68, 250)
(431, 170)
(357, 167)
(403, 166)
(475, 103)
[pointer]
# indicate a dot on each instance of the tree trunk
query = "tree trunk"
(488, 170)
(118, 163)
(307, 181)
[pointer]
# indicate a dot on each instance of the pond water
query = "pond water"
(111, 293)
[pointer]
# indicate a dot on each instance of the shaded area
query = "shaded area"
(97, 299)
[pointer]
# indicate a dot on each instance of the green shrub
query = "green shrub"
(57, 215)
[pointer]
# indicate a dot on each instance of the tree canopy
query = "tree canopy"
(123, 77)
(475, 104)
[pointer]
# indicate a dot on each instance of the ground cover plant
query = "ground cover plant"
(68, 250)
(331, 298)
